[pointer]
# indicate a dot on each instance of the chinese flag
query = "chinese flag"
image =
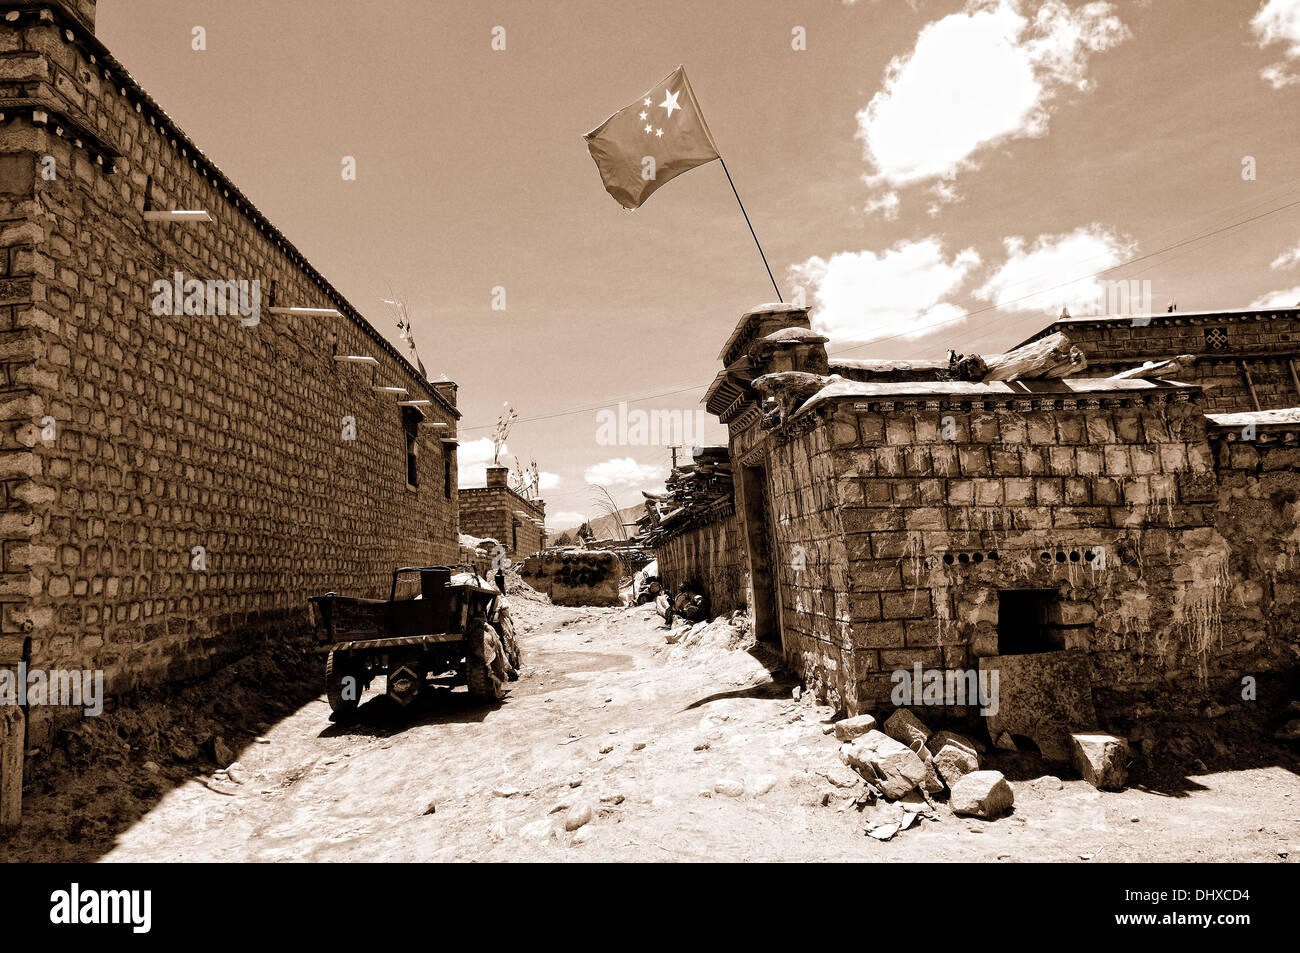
(643, 145)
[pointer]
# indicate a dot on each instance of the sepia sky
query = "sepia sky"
(931, 173)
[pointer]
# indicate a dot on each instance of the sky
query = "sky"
(925, 174)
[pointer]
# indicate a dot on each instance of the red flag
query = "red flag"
(648, 142)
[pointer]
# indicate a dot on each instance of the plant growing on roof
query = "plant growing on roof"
(397, 306)
(504, 423)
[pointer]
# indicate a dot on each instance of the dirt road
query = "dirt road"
(649, 739)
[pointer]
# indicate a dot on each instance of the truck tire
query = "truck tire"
(505, 628)
(344, 683)
(485, 664)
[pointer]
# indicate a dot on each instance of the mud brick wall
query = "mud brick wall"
(1256, 512)
(488, 512)
(129, 438)
(1265, 340)
(810, 562)
(710, 558)
(1016, 501)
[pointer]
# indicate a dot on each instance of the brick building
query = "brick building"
(497, 511)
(174, 484)
(1245, 360)
(891, 518)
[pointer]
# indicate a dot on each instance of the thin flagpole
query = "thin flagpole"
(751, 229)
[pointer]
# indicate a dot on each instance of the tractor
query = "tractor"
(437, 621)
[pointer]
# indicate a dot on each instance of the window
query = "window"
(447, 463)
(411, 425)
(1025, 622)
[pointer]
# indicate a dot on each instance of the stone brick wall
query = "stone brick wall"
(911, 537)
(708, 557)
(491, 512)
(1266, 342)
(1255, 519)
(130, 438)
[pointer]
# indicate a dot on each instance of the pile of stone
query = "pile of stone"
(906, 766)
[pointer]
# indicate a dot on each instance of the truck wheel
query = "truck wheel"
(505, 628)
(344, 682)
(485, 664)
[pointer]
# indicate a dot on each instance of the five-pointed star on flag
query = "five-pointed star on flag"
(670, 102)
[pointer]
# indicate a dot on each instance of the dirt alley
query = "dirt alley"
(609, 716)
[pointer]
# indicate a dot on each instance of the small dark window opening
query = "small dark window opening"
(446, 473)
(411, 426)
(514, 537)
(1025, 624)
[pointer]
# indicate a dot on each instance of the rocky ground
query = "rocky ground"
(614, 745)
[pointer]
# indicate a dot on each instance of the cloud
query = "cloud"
(1278, 21)
(862, 296)
(886, 205)
(471, 461)
(547, 480)
(1288, 259)
(624, 473)
(1052, 273)
(1288, 298)
(975, 79)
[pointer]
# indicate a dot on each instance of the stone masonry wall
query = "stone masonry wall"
(489, 512)
(1019, 499)
(129, 439)
(709, 558)
(1220, 341)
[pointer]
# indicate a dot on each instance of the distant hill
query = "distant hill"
(603, 526)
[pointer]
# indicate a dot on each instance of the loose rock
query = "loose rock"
(855, 727)
(983, 794)
(890, 765)
(1100, 759)
(905, 727)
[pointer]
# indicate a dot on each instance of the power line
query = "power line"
(962, 317)
(1122, 264)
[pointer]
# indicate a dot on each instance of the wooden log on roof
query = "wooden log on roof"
(1156, 369)
(1050, 357)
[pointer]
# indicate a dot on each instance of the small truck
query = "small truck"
(437, 620)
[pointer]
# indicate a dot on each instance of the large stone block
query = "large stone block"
(1100, 759)
(1043, 696)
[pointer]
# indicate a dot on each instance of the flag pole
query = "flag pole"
(751, 229)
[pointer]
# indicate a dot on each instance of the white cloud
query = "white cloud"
(975, 79)
(471, 461)
(862, 296)
(1278, 21)
(1288, 259)
(1288, 298)
(886, 205)
(547, 480)
(1053, 272)
(624, 473)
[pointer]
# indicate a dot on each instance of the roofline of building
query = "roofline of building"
(538, 505)
(1160, 318)
(102, 57)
